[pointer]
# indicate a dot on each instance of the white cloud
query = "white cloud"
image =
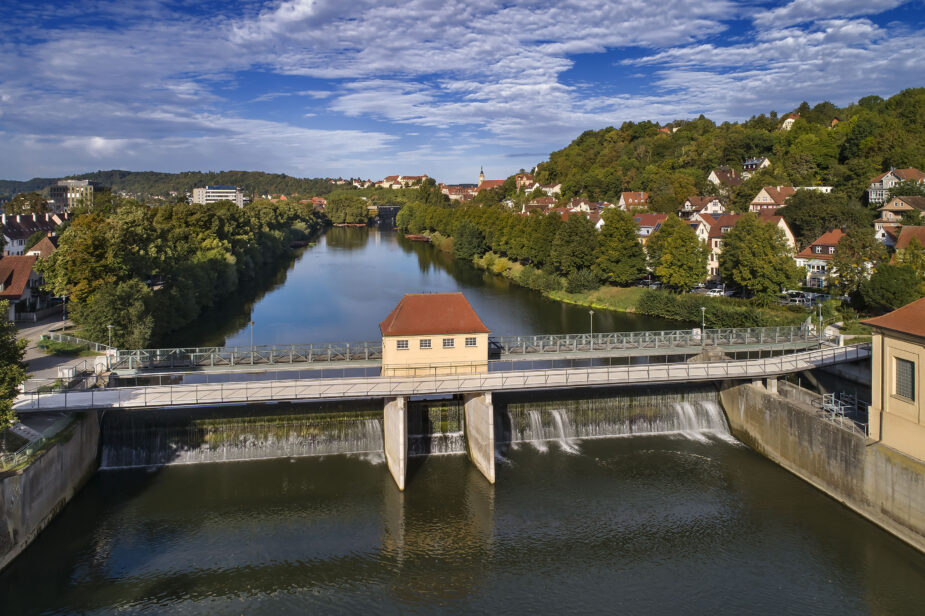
(800, 11)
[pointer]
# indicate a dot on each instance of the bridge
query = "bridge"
(613, 344)
(524, 363)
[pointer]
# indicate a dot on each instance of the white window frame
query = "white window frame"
(449, 343)
(425, 343)
(472, 342)
(402, 345)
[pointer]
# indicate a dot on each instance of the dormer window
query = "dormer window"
(818, 250)
(831, 250)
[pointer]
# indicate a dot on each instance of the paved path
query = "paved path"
(379, 387)
(42, 365)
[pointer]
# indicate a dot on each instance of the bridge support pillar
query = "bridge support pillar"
(395, 438)
(480, 432)
(770, 384)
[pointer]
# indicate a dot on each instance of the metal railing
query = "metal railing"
(436, 383)
(199, 357)
(27, 451)
(88, 344)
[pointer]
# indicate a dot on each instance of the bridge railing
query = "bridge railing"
(678, 338)
(199, 357)
(87, 344)
(437, 383)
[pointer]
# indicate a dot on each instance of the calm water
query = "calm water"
(642, 525)
(340, 289)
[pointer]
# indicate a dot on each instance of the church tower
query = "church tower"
(481, 175)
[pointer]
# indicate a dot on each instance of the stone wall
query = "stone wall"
(31, 497)
(880, 483)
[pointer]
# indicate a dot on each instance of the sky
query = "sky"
(357, 88)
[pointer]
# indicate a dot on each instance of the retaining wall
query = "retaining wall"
(31, 497)
(885, 486)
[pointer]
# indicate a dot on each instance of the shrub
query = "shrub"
(579, 281)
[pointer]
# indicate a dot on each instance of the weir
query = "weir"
(479, 425)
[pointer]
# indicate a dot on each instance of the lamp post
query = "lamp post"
(64, 307)
(109, 327)
(820, 320)
(703, 325)
(109, 350)
(252, 342)
(591, 313)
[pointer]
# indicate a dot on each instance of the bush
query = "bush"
(579, 281)
(721, 311)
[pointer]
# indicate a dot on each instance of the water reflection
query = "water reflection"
(339, 290)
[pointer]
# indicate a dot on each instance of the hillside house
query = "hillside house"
(725, 178)
(725, 223)
(787, 124)
(695, 205)
(633, 201)
(648, 224)
(21, 285)
(753, 165)
(817, 258)
(17, 229)
(880, 186)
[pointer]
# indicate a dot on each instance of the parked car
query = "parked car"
(714, 292)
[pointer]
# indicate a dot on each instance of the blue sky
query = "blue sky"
(334, 88)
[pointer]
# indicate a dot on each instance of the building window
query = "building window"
(449, 343)
(425, 343)
(401, 345)
(470, 342)
(905, 378)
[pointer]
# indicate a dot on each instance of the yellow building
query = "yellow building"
(897, 412)
(433, 333)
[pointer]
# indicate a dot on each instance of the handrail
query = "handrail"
(436, 383)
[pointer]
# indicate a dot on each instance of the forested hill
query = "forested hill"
(153, 183)
(870, 136)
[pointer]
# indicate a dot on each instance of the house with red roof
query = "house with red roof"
(21, 285)
(725, 178)
(725, 223)
(428, 333)
(789, 119)
(907, 235)
(633, 201)
(880, 186)
(817, 258)
(648, 224)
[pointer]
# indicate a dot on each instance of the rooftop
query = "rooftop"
(910, 319)
(432, 313)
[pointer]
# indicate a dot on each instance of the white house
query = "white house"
(880, 186)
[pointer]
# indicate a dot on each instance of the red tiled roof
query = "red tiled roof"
(778, 194)
(489, 184)
(650, 220)
(829, 238)
(634, 198)
(904, 175)
(14, 275)
(724, 221)
(728, 176)
(907, 234)
(708, 219)
(910, 319)
(45, 246)
(432, 313)
(916, 202)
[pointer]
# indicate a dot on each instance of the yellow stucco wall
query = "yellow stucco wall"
(896, 421)
(436, 360)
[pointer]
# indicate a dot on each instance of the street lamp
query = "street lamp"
(703, 325)
(109, 327)
(591, 313)
(252, 336)
(64, 307)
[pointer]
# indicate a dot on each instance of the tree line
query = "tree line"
(148, 271)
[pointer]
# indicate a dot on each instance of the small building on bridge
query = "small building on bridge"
(433, 333)
(897, 411)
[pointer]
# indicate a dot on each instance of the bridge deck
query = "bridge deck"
(377, 387)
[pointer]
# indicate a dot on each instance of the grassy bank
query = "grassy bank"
(720, 312)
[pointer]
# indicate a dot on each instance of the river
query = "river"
(669, 515)
(341, 288)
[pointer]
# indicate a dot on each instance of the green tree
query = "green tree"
(857, 254)
(468, 242)
(676, 254)
(621, 259)
(811, 213)
(346, 208)
(12, 368)
(575, 245)
(913, 255)
(757, 258)
(25, 203)
(890, 287)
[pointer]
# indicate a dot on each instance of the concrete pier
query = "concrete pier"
(480, 433)
(395, 438)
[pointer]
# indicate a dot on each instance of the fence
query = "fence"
(436, 382)
(199, 357)
(87, 344)
(22, 455)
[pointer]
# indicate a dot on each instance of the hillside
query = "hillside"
(870, 136)
(153, 183)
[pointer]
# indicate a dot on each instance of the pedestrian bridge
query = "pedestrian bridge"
(431, 380)
(613, 344)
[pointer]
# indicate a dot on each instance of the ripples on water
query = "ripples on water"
(678, 522)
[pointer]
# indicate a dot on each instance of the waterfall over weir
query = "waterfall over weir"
(692, 412)
(136, 439)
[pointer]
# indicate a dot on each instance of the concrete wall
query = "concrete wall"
(395, 438)
(480, 433)
(30, 498)
(467, 359)
(896, 420)
(859, 371)
(876, 481)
